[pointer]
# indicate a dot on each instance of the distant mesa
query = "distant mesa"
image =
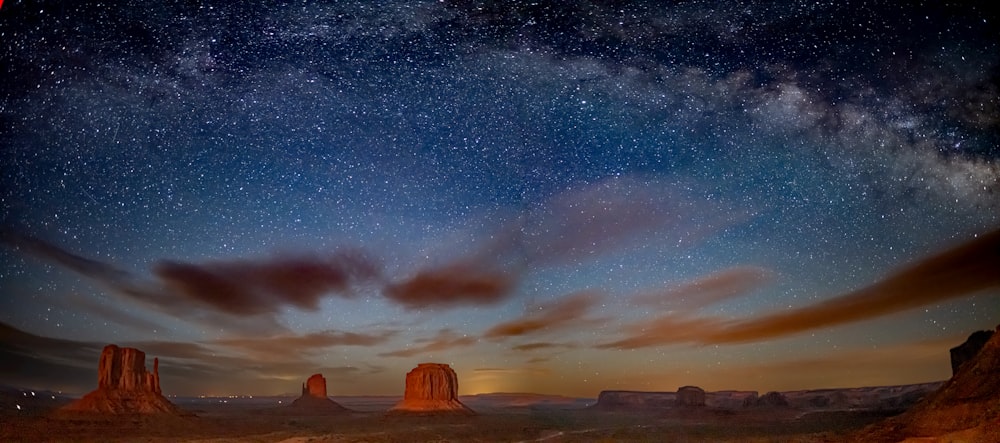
(431, 389)
(690, 396)
(314, 399)
(124, 386)
(634, 400)
(881, 398)
(968, 350)
(773, 399)
(965, 408)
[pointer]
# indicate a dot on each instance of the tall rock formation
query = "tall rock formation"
(124, 386)
(125, 369)
(315, 386)
(314, 400)
(431, 388)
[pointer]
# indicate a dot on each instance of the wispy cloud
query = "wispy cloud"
(583, 223)
(957, 272)
(709, 289)
(286, 344)
(565, 311)
(444, 340)
(612, 214)
(667, 329)
(219, 293)
(535, 346)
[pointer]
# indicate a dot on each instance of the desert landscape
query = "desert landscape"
(128, 406)
(499, 221)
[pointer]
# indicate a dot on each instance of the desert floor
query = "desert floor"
(218, 423)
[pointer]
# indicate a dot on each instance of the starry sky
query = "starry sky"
(551, 197)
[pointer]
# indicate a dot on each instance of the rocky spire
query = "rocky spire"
(124, 386)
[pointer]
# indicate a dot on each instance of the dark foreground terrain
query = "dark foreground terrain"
(255, 422)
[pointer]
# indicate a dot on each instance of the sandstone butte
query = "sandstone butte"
(431, 389)
(124, 386)
(314, 398)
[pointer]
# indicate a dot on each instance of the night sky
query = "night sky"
(551, 197)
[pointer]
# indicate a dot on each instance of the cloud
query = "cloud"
(709, 289)
(956, 272)
(511, 371)
(566, 311)
(175, 349)
(245, 287)
(224, 293)
(48, 251)
(29, 360)
(292, 344)
(534, 346)
(71, 352)
(444, 340)
(608, 215)
(110, 312)
(668, 329)
(452, 286)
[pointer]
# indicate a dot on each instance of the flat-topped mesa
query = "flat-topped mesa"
(431, 388)
(124, 386)
(773, 399)
(690, 396)
(314, 400)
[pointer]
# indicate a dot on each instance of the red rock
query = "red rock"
(968, 350)
(124, 386)
(315, 386)
(968, 404)
(314, 400)
(431, 388)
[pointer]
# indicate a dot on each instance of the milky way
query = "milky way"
(555, 199)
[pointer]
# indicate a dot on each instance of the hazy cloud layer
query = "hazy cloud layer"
(260, 288)
(444, 340)
(536, 346)
(291, 344)
(565, 311)
(612, 214)
(40, 248)
(956, 272)
(712, 288)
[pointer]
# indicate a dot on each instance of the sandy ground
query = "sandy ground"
(225, 423)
